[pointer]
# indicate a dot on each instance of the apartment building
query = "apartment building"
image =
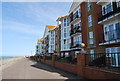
(109, 17)
(96, 24)
(76, 28)
(49, 39)
(64, 23)
(38, 47)
(91, 30)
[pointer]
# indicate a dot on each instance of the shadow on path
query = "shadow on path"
(70, 76)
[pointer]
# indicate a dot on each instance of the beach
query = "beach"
(5, 63)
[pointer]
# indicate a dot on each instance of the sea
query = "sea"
(5, 57)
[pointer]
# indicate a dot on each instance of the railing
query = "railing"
(109, 60)
(108, 13)
(68, 59)
(76, 30)
(76, 44)
(75, 16)
(48, 57)
(110, 36)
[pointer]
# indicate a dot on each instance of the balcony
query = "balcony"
(75, 18)
(109, 14)
(109, 38)
(76, 45)
(76, 30)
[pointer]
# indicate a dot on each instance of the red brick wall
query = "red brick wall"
(83, 70)
(84, 22)
(98, 73)
(48, 62)
(66, 67)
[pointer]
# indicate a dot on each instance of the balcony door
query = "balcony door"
(114, 53)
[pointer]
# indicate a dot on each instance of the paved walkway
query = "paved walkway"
(27, 69)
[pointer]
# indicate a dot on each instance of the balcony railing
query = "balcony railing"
(76, 30)
(76, 44)
(116, 9)
(75, 16)
(104, 60)
(110, 36)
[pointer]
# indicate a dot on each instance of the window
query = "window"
(115, 57)
(118, 3)
(77, 40)
(117, 27)
(112, 32)
(104, 11)
(68, 32)
(76, 14)
(68, 43)
(89, 5)
(65, 32)
(109, 7)
(106, 33)
(90, 20)
(68, 21)
(92, 55)
(91, 40)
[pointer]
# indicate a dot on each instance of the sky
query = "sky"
(23, 23)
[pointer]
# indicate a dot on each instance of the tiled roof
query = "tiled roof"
(50, 27)
(39, 40)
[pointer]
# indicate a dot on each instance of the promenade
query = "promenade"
(28, 69)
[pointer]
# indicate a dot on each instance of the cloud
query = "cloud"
(22, 28)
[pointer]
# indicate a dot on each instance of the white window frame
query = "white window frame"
(91, 38)
(90, 21)
(115, 49)
(89, 5)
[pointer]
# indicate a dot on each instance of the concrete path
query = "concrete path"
(27, 69)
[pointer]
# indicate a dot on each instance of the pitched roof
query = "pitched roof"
(39, 40)
(50, 27)
(59, 18)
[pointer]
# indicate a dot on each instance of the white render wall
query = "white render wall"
(51, 42)
(65, 46)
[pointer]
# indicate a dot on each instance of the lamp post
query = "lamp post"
(83, 46)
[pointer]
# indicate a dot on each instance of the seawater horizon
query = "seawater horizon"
(5, 57)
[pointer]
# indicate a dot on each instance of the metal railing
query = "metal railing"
(76, 30)
(106, 13)
(76, 44)
(48, 57)
(109, 60)
(74, 16)
(68, 59)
